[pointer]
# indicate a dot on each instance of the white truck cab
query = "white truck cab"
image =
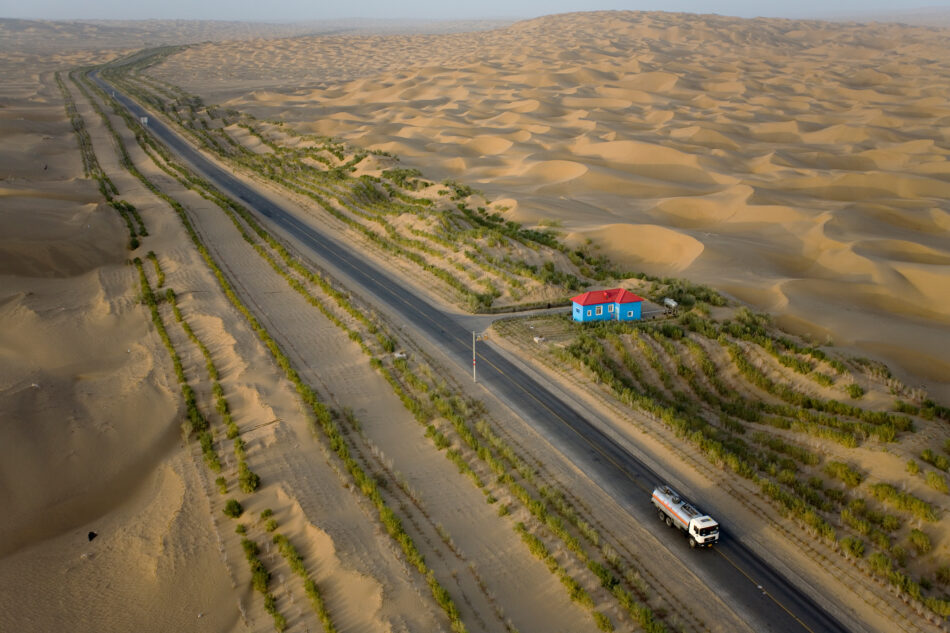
(702, 529)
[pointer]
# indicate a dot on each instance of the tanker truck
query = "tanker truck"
(701, 529)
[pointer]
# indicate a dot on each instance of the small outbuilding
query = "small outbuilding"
(615, 304)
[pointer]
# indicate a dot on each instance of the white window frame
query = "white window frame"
(629, 313)
(588, 313)
(610, 308)
(599, 310)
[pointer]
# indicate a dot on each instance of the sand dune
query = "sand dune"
(903, 251)
(553, 171)
(90, 431)
(733, 134)
(650, 244)
(799, 166)
(57, 368)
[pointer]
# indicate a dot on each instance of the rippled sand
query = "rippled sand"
(799, 166)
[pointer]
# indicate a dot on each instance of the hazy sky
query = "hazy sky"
(287, 10)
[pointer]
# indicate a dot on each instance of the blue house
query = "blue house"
(615, 304)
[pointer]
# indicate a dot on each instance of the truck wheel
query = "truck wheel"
(662, 516)
(669, 521)
(692, 543)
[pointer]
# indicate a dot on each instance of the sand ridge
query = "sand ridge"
(90, 427)
(790, 151)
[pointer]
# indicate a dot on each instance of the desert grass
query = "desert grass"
(452, 234)
(277, 256)
(669, 371)
(324, 419)
(775, 466)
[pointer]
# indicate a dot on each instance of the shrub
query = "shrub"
(240, 450)
(904, 407)
(233, 508)
(853, 546)
(880, 563)
(920, 541)
(904, 501)
(913, 467)
(270, 525)
(603, 622)
(823, 379)
(249, 480)
(855, 390)
(900, 555)
(840, 470)
(935, 460)
(890, 523)
(260, 577)
(937, 481)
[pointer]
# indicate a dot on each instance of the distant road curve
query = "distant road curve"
(735, 573)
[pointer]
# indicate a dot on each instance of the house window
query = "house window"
(588, 313)
(600, 310)
(629, 313)
(610, 308)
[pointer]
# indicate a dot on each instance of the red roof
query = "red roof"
(614, 295)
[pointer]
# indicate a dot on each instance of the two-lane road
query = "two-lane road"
(736, 573)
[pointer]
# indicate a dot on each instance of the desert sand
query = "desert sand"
(799, 166)
(89, 418)
(111, 520)
(91, 422)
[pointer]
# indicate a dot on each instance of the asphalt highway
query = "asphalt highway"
(737, 574)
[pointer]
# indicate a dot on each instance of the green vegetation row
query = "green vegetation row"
(260, 580)
(638, 363)
(320, 169)
(198, 423)
(293, 271)
(450, 453)
(126, 210)
(641, 612)
(248, 480)
(295, 562)
(322, 416)
(798, 365)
